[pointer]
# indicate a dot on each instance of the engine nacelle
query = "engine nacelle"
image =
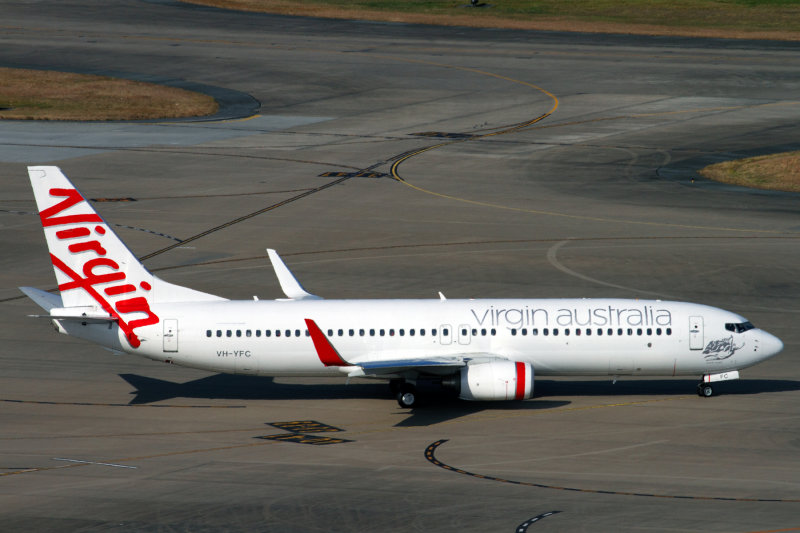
(498, 380)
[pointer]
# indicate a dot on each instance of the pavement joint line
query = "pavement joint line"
(93, 463)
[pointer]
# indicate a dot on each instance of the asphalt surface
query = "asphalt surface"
(553, 164)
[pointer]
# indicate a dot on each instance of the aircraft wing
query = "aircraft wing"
(442, 365)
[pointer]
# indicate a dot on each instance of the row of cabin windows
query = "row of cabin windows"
(589, 331)
(445, 331)
(331, 332)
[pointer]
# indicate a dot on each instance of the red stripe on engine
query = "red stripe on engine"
(521, 381)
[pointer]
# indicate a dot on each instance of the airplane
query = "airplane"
(485, 349)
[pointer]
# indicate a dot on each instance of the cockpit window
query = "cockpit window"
(739, 327)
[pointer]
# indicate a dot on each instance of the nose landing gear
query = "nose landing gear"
(705, 390)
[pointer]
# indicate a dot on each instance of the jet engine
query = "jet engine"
(497, 380)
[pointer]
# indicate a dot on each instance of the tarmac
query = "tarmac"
(395, 161)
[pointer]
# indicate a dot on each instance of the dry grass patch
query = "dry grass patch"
(49, 95)
(752, 19)
(780, 172)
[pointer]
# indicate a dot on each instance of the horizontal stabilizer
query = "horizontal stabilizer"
(82, 319)
(45, 300)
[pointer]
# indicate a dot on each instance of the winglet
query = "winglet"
(325, 350)
(289, 284)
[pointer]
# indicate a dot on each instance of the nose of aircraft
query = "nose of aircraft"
(770, 344)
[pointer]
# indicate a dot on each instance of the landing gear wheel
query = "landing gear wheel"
(705, 390)
(407, 396)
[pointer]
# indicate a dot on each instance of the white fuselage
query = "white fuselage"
(556, 336)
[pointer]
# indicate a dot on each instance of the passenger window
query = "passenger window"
(372, 333)
(277, 333)
(411, 332)
(330, 333)
(402, 332)
(649, 331)
(545, 332)
(669, 331)
(361, 333)
(493, 332)
(639, 331)
(445, 332)
(483, 332)
(630, 331)
(219, 333)
(238, 333)
(208, 333)
(524, 331)
(391, 332)
(341, 332)
(433, 332)
(351, 332)
(383, 332)
(513, 331)
(267, 332)
(474, 332)
(308, 334)
(555, 331)
(566, 332)
(228, 333)
(248, 333)
(578, 331)
(422, 332)
(288, 333)
(619, 331)
(258, 333)
(535, 331)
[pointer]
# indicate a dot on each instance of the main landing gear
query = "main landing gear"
(405, 392)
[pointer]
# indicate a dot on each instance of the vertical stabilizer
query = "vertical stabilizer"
(93, 266)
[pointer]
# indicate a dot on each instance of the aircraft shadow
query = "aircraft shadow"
(436, 410)
(439, 405)
(233, 387)
(653, 387)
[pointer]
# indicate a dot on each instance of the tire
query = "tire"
(707, 391)
(407, 396)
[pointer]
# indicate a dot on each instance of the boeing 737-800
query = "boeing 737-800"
(485, 349)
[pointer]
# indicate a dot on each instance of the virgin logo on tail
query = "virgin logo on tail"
(87, 255)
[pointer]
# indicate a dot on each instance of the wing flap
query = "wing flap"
(429, 365)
